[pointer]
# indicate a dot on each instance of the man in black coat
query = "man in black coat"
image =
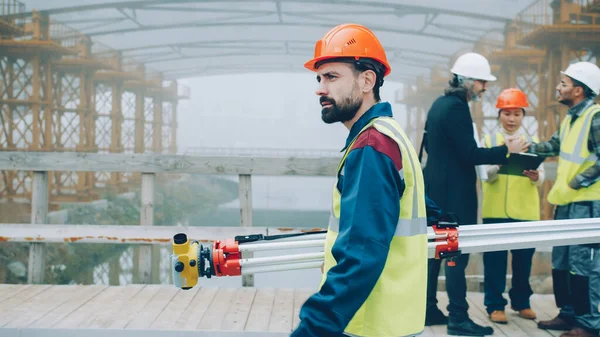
(450, 179)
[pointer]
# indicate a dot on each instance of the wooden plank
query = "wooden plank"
(82, 315)
(283, 311)
(132, 333)
(544, 306)
(213, 317)
(8, 307)
(476, 303)
(144, 318)
(546, 309)
(39, 215)
(528, 327)
(9, 290)
(115, 234)
(245, 197)
(36, 307)
(146, 220)
(101, 318)
(260, 313)
(441, 330)
(154, 163)
(81, 295)
(181, 302)
(198, 306)
(120, 318)
(237, 313)
(300, 296)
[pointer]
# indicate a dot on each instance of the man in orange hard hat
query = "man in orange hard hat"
(375, 266)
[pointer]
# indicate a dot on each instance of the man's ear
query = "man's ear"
(578, 91)
(369, 80)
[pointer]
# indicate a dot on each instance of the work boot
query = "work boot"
(557, 323)
(527, 314)
(579, 332)
(498, 316)
(466, 327)
(435, 316)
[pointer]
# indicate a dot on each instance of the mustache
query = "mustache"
(324, 99)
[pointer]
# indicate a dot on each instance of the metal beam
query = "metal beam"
(196, 24)
(397, 7)
(204, 44)
(418, 63)
(243, 69)
(241, 65)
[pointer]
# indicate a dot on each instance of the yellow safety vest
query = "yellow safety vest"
(574, 158)
(510, 197)
(396, 306)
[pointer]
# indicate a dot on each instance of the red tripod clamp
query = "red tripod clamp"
(226, 258)
(449, 250)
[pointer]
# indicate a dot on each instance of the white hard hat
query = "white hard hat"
(473, 65)
(586, 73)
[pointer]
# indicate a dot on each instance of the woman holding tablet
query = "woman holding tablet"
(509, 198)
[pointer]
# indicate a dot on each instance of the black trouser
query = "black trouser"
(576, 271)
(456, 286)
(494, 283)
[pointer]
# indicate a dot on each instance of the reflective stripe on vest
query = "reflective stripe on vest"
(574, 159)
(575, 156)
(405, 227)
(396, 306)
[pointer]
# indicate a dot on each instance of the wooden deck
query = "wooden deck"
(162, 310)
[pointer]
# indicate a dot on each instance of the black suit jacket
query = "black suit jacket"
(452, 153)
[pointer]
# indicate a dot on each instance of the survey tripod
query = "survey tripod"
(446, 240)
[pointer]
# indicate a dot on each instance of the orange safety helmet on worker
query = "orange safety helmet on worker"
(510, 196)
(349, 41)
(396, 304)
(512, 98)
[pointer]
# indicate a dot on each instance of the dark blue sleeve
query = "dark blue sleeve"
(370, 209)
(433, 211)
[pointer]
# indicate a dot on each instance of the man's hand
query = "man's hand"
(534, 175)
(516, 144)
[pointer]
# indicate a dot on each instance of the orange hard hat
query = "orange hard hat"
(512, 98)
(349, 41)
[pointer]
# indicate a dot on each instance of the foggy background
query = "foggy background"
(233, 104)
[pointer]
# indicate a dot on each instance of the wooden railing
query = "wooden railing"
(39, 233)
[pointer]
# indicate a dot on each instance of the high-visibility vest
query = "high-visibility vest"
(396, 306)
(574, 158)
(510, 196)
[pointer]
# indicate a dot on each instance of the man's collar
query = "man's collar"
(578, 109)
(381, 109)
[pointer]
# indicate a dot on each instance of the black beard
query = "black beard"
(342, 112)
(566, 102)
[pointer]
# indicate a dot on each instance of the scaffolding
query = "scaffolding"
(61, 91)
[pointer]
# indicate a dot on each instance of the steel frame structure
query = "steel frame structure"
(229, 55)
(56, 94)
